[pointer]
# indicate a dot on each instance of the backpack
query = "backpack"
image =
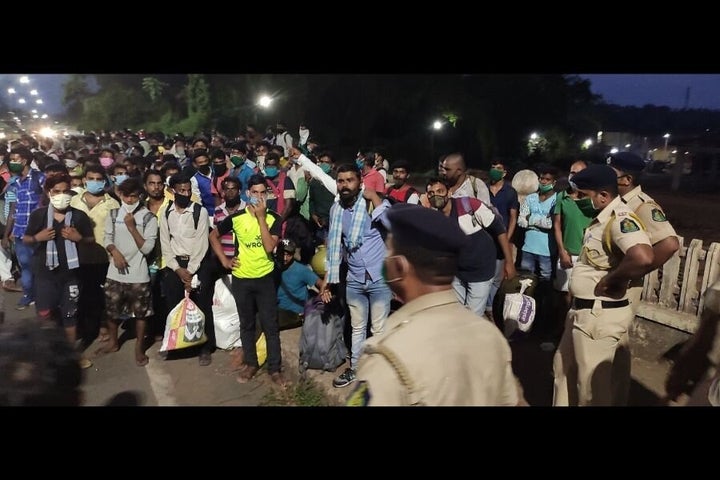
(150, 258)
(394, 199)
(321, 340)
(197, 210)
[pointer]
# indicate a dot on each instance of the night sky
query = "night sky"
(623, 89)
(666, 89)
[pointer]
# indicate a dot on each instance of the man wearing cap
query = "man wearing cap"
(616, 248)
(434, 351)
(293, 290)
(662, 235)
(664, 240)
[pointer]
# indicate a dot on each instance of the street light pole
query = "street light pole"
(666, 137)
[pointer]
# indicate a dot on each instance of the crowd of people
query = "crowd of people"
(119, 227)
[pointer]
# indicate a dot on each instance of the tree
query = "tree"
(76, 90)
(153, 87)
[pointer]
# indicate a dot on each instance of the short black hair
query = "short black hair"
(178, 178)
(130, 186)
(256, 180)
(349, 167)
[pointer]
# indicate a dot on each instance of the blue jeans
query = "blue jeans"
(24, 255)
(363, 298)
(530, 260)
(475, 296)
(496, 282)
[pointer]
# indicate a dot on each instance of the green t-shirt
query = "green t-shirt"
(254, 261)
(573, 223)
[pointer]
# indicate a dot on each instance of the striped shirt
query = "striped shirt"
(228, 240)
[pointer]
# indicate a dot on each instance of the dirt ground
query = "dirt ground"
(694, 215)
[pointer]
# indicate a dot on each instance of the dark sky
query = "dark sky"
(658, 89)
(623, 89)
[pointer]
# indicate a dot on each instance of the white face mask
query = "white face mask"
(130, 207)
(77, 190)
(70, 163)
(60, 201)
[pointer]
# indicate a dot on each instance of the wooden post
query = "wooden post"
(689, 292)
(670, 279)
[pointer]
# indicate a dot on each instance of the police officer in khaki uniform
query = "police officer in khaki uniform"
(434, 351)
(664, 241)
(616, 248)
(689, 374)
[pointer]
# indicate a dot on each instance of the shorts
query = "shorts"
(562, 276)
(58, 290)
(127, 298)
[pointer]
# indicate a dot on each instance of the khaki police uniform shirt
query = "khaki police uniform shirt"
(613, 232)
(650, 214)
(445, 354)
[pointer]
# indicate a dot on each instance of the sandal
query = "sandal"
(246, 374)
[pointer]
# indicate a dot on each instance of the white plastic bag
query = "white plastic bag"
(225, 315)
(519, 310)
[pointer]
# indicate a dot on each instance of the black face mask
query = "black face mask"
(220, 169)
(204, 169)
(231, 202)
(182, 201)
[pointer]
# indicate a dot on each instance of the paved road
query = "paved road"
(114, 378)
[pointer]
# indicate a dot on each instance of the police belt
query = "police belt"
(582, 304)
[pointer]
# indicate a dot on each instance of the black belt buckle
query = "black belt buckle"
(582, 303)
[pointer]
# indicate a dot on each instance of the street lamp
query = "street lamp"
(264, 101)
(666, 137)
(436, 127)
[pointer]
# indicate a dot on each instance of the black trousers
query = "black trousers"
(91, 304)
(175, 291)
(258, 296)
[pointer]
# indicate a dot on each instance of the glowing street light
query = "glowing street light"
(613, 150)
(533, 136)
(24, 79)
(39, 101)
(34, 110)
(44, 116)
(437, 125)
(21, 100)
(36, 116)
(265, 101)
(587, 143)
(11, 90)
(33, 92)
(666, 137)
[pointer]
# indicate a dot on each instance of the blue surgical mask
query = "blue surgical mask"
(271, 172)
(325, 167)
(360, 164)
(95, 186)
(120, 178)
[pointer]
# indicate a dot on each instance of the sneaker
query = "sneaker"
(24, 303)
(345, 378)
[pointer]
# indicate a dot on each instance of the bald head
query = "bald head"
(454, 167)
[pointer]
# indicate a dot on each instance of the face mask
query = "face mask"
(253, 201)
(106, 161)
(95, 186)
(438, 201)
(496, 175)
(260, 159)
(70, 163)
(271, 172)
(33, 165)
(130, 207)
(16, 167)
(77, 190)
(586, 207)
(231, 202)
(204, 169)
(182, 201)
(360, 164)
(220, 169)
(384, 271)
(120, 178)
(325, 167)
(60, 201)
(179, 152)
(545, 188)
(236, 161)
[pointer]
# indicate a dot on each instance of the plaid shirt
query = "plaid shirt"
(28, 193)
